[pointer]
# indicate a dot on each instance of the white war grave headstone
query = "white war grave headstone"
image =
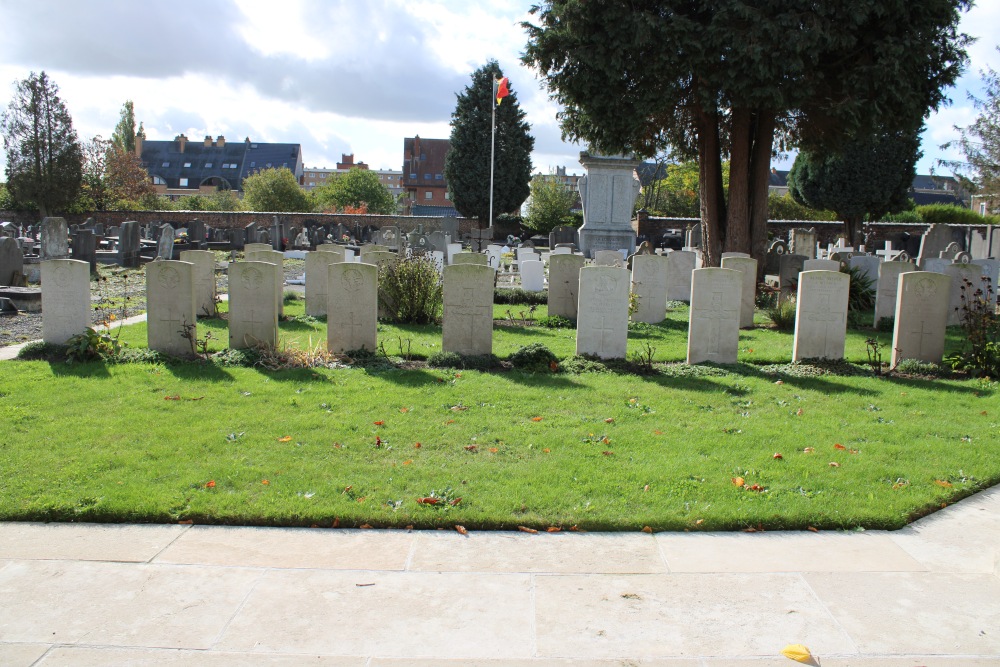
(748, 288)
(888, 285)
(821, 265)
(467, 322)
(649, 283)
(352, 307)
(991, 270)
(960, 275)
(253, 311)
(317, 282)
(602, 317)
(921, 317)
(532, 275)
(278, 259)
(680, 265)
(821, 315)
(204, 280)
(170, 307)
(564, 283)
(65, 299)
(609, 258)
(714, 326)
(470, 258)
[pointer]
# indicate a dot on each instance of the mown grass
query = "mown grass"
(207, 443)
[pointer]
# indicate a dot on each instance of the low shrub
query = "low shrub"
(516, 296)
(861, 294)
(949, 214)
(535, 358)
(410, 290)
(554, 322)
(980, 354)
(476, 362)
(41, 351)
(782, 314)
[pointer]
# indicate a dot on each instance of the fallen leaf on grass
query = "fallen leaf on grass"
(265, 482)
(607, 453)
(645, 488)
(407, 462)
(808, 450)
(839, 446)
(812, 530)
(379, 423)
(536, 419)
(458, 408)
(365, 526)
(779, 383)
(336, 522)
(286, 438)
(198, 398)
(553, 529)
(609, 420)
(450, 421)
(493, 450)
(429, 500)
(472, 448)
(186, 522)
(777, 455)
(834, 464)
(404, 410)
(546, 450)
(941, 482)
(576, 530)
(797, 652)
(525, 529)
(416, 445)
(657, 432)
(461, 530)
(455, 502)
(175, 397)
(378, 441)
(210, 484)
(337, 445)
(647, 529)
(798, 413)
(739, 481)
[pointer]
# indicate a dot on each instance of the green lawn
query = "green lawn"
(600, 451)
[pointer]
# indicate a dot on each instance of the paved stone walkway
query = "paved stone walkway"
(84, 594)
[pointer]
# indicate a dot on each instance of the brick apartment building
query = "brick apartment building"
(423, 177)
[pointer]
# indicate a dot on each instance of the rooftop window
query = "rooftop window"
(187, 165)
(166, 164)
(208, 165)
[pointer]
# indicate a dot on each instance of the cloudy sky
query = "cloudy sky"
(344, 76)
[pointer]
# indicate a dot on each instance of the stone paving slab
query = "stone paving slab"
(85, 541)
(784, 552)
(100, 657)
(21, 655)
(543, 552)
(291, 548)
(607, 616)
(391, 614)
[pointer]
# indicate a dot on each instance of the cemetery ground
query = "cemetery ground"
(390, 441)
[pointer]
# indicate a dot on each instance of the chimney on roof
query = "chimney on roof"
(221, 141)
(139, 136)
(208, 140)
(181, 141)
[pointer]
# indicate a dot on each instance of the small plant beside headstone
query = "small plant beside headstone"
(980, 354)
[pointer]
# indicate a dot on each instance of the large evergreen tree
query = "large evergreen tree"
(44, 158)
(467, 166)
(726, 78)
(866, 176)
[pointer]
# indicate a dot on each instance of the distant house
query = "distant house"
(183, 167)
(926, 189)
(313, 177)
(423, 177)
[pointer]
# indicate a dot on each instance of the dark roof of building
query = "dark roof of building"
(435, 211)
(778, 179)
(941, 197)
(231, 162)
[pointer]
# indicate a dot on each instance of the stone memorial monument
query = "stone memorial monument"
(607, 192)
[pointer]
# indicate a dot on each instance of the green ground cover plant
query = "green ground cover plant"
(763, 444)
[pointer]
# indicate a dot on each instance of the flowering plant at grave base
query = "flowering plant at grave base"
(345, 238)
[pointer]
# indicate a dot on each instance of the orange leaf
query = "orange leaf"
(575, 529)
(811, 529)
(471, 448)
(361, 499)
(337, 445)
(347, 489)
(657, 432)
(699, 522)
(605, 440)
(404, 410)
(264, 482)
(609, 420)
(450, 421)
(779, 383)
(798, 412)
(777, 455)
(175, 397)
(983, 413)
(525, 529)
(493, 450)
(461, 530)
(546, 450)
(553, 366)
(607, 453)
(379, 422)
(647, 529)
(946, 484)
(336, 522)
(186, 522)
(455, 502)
(834, 464)
(287, 438)
(739, 481)
(365, 526)
(416, 445)
(430, 500)
(839, 446)
(407, 462)
(196, 399)
(645, 488)
(536, 419)
(210, 484)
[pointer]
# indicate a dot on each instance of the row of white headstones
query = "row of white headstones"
(597, 297)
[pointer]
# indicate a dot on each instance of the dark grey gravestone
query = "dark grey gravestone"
(196, 234)
(85, 248)
(11, 260)
(128, 244)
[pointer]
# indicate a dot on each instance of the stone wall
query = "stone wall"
(240, 219)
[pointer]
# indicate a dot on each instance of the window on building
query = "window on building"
(187, 165)
(253, 164)
(413, 175)
(158, 181)
(268, 165)
(982, 208)
(447, 196)
(427, 177)
(423, 156)
(322, 175)
(166, 164)
(437, 177)
(183, 182)
(428, 195)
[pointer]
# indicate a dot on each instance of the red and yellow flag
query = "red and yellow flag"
(502, 90)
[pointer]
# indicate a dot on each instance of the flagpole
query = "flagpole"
(493, 141)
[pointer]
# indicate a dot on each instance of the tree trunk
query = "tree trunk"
(738, 206)
(852, 230)
(713, 202)
(760, 172)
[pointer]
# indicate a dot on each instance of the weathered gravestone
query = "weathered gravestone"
(452, 250)
(532, 275)
(237, 238)
(607, 192)
(252, 247)
(352, 307)
(734, 254)
(967, 276)
(65, 299)
(171, 326)
(562, 234)
(390, 237)
(165, 244)
(921, 317)
(867, 266)
(821, 265)
(467, 323)
(609, 258)
(470, 258)
(251, 233)
(935, 264)
(802, 242)
(649, 283)
(379, 257)
(888, 286)
(747, 266)
(821, 315)
(789, 267)
(11, 261)
(128, 244)
(714, 326)
(602, 317)
(564, 283)
(337, 251)
(253, 313)
(934, 241)
(437, 241)
(55, 239)
(278, 259)
(85, 247)
(680, 264)
(196, 234)
(317, 279)
(991, 270)
(204, 280)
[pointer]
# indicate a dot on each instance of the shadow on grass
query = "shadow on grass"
(197, 370)
(80, 369)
